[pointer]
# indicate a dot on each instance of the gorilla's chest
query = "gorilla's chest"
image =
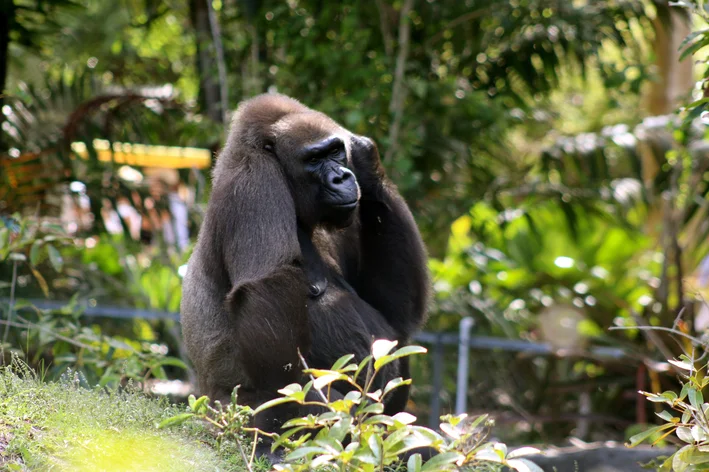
(322, 269)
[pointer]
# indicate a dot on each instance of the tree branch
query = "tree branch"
(398, 96)
(385, 30)
(221, 65)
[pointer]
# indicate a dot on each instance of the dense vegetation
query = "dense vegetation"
(551, 175)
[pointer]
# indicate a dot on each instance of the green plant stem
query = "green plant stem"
(253, 447)
(322, 395)
(243, 454)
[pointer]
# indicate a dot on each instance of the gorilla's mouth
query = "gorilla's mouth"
(346, 206)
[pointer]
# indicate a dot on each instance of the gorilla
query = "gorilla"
(306, 246)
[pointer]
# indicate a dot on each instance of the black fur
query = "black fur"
(274, 271)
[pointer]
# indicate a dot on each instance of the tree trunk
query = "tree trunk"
(398, 96)
(7, 12)
(209, 92)
(221, 64)
(675, 78)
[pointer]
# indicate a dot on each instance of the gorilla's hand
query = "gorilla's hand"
(367, 165)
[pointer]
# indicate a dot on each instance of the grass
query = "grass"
(60, 426)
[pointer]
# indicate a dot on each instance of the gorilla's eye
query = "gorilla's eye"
(268, 147)
(313, 160)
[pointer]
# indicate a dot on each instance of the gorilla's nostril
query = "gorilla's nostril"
(341, 175)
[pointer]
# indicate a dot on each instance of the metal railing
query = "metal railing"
(463, 339)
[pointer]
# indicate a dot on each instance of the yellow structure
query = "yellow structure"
(143, 155)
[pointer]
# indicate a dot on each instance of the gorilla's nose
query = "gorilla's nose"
(340, 176)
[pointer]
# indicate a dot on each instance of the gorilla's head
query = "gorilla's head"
(314, 153)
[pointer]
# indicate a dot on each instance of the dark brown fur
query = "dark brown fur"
(246, 309)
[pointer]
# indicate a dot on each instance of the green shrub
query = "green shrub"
(691, 426)
(353, 434)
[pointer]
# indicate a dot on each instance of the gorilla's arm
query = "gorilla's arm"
(255, 220)
(393, 277)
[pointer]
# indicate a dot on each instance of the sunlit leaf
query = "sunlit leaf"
(272, 403)
(55, 258)
(640, 437)
(523, 451)
(404, 351)
(175, 420)
(444, 461)
(414, 463)
(382, 347)
(523, 465)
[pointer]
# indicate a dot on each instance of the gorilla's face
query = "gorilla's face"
(314, 153)
(325, 163)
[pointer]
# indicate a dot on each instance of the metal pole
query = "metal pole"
(434, 418)
(461, 394)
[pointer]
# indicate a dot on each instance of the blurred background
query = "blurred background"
(562, 197)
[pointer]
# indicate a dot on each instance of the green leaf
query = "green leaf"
(55, 258)
(404, 418)
(290, 389)
(404, 351)
(441, 461)
(395, 437)
(665, 415)
(655, 398)
(681, 365)
(172, 361)
(325, 380)
(696, 398)
(410, 442)
(382, 347)
(200, 404)
(272, 403)
(374, 408)
(284, 437)
(395, 383)
(341, 362)
(304, 452)
(685, 390)
(690, 37)
(365, 455)
(689, 50)
(35, 252)
(380, 419)
(523, 451)
(414, 463)
(175, 420)
(524, 465)
(640, 437)
(361, 367)
(340, 429)
(375, 446)
(685, 434)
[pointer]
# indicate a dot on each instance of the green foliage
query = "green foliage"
(62, 338)
(687, 418)
(63, 426)
(690, 425)
(352, 433)
(517, 268)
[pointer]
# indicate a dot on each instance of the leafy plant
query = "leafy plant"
(353, 433)
(61, 336)
(691, 426)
